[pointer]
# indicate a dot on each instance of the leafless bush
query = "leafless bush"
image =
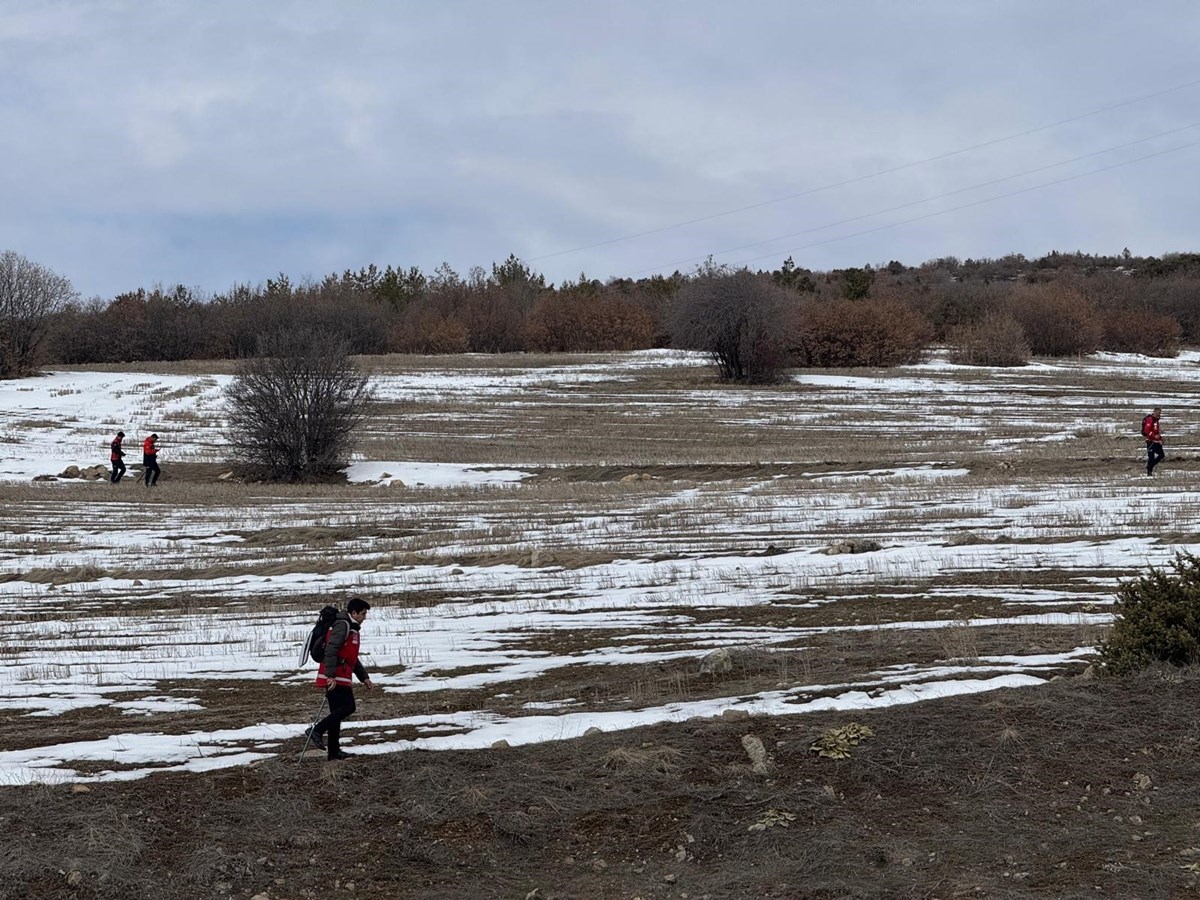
(840, 332)
(1058, 320)
(1130, 330)
(588, 321)
(293, 407)
(30, 295)
(745, 321)
(999, 340)
(425, 330)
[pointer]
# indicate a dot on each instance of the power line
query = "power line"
(880, 212)
(943, 212)
(860, 178)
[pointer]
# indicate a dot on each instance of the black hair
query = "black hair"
(120, 434)
(357, 604)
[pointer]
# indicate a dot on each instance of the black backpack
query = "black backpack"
(314, 647)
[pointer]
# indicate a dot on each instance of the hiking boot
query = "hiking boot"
(314, 737)
(340, 754)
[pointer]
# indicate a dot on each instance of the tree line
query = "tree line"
(989, 311)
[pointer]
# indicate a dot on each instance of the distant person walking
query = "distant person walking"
(150, 470)
(1153, 435)
(117, 456)
(334, 675)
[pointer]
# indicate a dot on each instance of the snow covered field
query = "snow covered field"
(554, 547)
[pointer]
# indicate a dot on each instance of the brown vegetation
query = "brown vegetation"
(844, 332)
(999, 340)
(1024, 795)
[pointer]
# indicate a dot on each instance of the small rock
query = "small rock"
(669, 878)
(501, 744)
(599, 865)
(754, 748)
(263, 896)
(74, 878)
(397, 483)
(456, 571)
(535, 894)
(70, 472)
(731, 714)
(385, 475)
(225, 477)
(592, 730)
(719, 660)
(80, 789)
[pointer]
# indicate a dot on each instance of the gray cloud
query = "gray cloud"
(217, 142)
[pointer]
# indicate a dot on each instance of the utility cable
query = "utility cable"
(880, 212)
(943, 212)
(826, 187)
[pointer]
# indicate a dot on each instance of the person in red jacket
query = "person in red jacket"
(334, 675)
(150, 470)
(1153, 435)
(117, 457)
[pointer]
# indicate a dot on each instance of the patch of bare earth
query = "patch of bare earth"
(1019, 794)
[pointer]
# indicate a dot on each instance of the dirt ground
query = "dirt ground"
(1079, 788)
(953, 538)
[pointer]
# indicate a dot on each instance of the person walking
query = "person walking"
(1153, 435)
(334, 676)
(117, 457)
(150, 469)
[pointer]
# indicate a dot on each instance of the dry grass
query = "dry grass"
(945, 800)
(932, 805)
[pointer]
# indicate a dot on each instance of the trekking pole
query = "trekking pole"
(309, 733)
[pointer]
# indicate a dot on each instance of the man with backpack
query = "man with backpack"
(1153, 436)
(339, 663)
(150, 470)
(117, 457)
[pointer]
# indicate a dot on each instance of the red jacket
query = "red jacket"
(347, 656)
(117, 453)
(148, 447)
(1150, 429)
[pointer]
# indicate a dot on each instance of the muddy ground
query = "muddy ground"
(1079, 788)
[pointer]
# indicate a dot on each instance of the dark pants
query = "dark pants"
(150, 470)
(341, 706)
(118, 470)
(1154, 455)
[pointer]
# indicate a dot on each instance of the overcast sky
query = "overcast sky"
(209, 143)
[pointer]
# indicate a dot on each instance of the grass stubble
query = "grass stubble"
(1076, 788)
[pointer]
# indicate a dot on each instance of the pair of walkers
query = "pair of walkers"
(336, 677)
(150, 470)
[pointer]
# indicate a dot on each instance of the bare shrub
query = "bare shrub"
(840, 332)
(588, 321)
(425, 330)
(744, 321)
(1058, 320)
(999, 340)
(1130, 330)
(293, 407)
(30, 295)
